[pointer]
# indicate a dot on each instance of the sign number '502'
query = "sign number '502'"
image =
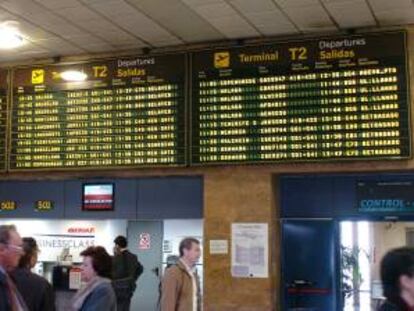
(8, 205)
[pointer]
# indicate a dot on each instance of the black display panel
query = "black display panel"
(3, 118)
(127, 113)
(317, 99)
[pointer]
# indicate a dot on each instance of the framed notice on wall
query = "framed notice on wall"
(98, 197)
(249, 253)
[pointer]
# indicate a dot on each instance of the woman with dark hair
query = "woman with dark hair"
(35, 290)
(397, 274)
(97, 292)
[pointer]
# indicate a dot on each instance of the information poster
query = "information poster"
(219, 247)
(250, 250)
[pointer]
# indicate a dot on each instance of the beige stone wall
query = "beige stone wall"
(237, 196)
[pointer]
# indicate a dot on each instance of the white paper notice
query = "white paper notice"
(249, 257)
(219, 247)
(75, 281)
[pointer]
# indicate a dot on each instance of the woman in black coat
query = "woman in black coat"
(35, 290)
(397, 274)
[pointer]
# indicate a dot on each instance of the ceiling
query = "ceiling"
(84, 27)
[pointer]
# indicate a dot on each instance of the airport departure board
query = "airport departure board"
(127, 113)
(320, 99)
(3, 118)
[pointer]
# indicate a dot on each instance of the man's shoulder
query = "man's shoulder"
(27, 277)
(130, 255)
(41, 281)
(174, 271)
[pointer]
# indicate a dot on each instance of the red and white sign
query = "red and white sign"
(144, 241)
(98, 197)
(81, 230)
(75, 281)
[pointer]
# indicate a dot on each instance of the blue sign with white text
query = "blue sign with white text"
(385, 196)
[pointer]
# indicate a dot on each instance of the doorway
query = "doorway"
(145, 240)
(155, 242)
(362, 246)
(309, 265)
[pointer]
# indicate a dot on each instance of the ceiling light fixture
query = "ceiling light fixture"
(73, 75)
(10, 37)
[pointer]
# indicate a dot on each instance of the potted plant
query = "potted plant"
(351, 274)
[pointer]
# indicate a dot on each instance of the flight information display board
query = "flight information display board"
(320, 99)
(127, 113)
(3, 118)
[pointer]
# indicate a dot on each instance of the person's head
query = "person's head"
(121, 243)
(190, 250)
(397, 274)
(31, 251)
(11, 248)
(96, 262)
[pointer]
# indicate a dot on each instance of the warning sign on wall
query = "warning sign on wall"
(144, 241)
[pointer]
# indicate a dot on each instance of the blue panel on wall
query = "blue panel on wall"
(344, 196)
(306, 196)
(345, 189)
(27, 193)
(331, 196)
(308, 265)
(173, 197)
(125, 200)
(148, 198)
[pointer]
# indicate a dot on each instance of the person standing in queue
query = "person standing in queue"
(397, 275)
(35, 290)
(97, 292)
(11, 250)
(126, 271)
(180, 289)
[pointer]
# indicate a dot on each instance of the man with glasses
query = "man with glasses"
(11, 250)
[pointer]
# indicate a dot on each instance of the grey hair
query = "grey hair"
(5, 233)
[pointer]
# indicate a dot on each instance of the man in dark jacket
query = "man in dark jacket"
(35, 290)
(126, 271)
(10, 252)
(397, 275)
